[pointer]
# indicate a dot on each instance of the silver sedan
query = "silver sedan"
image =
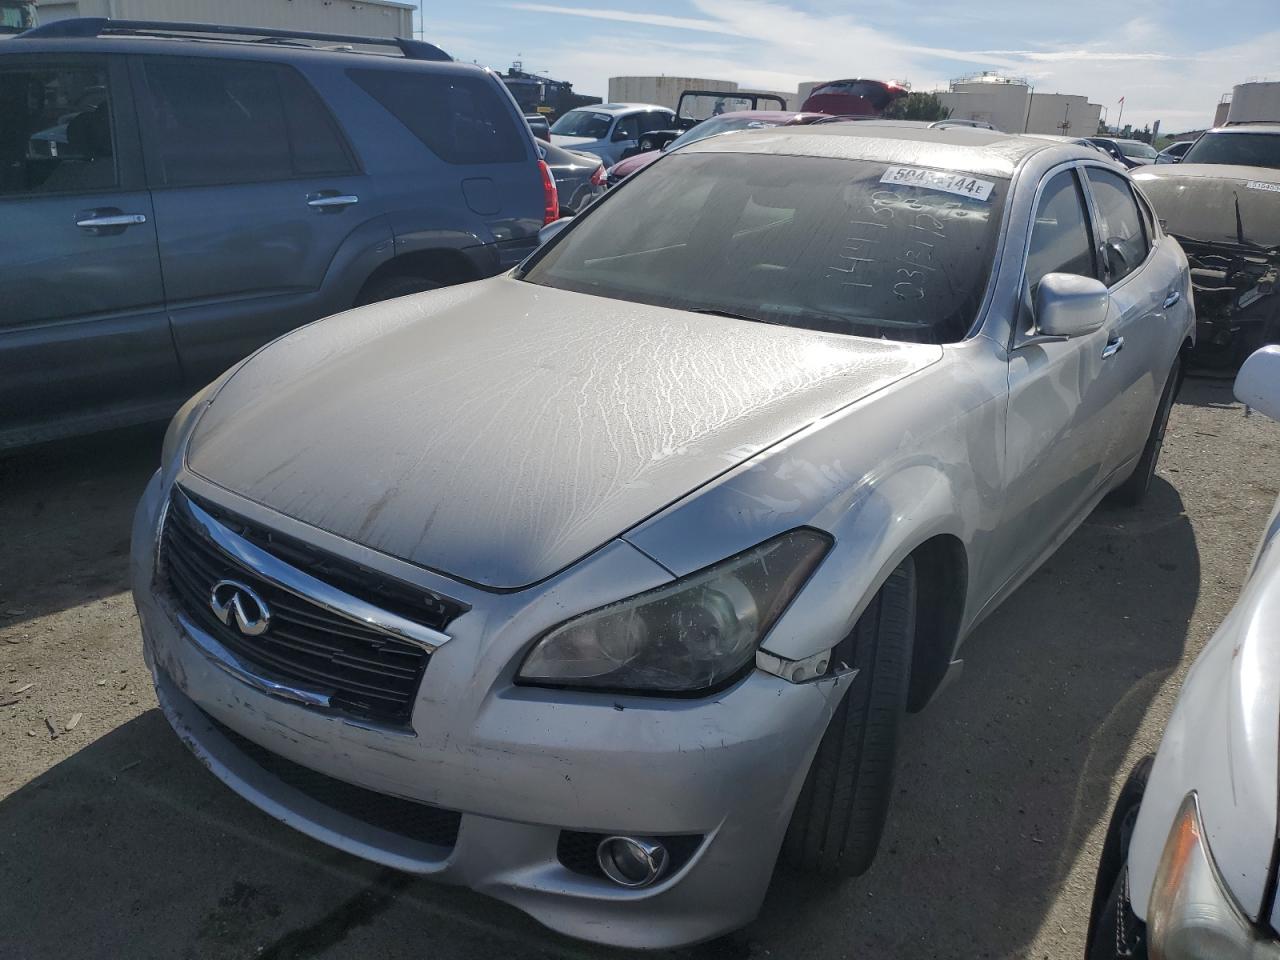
(599, 586)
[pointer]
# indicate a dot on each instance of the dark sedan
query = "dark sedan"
(580, 177)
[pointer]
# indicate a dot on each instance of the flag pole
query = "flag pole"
(1120, 117)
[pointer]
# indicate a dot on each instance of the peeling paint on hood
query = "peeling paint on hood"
(499, 431)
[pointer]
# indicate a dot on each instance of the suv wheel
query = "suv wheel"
(388, 288)
(836, 825)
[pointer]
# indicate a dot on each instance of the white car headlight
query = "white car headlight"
(692, 635)
(1191, 915)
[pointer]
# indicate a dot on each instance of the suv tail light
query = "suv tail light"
(598, 178)
(551, 211)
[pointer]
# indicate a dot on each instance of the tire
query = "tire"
(1114, 931)
(839, 816)
(1134, 490)
(647, 144)
(388, 288)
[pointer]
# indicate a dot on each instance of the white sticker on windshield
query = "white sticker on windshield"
(1260, 185)
(962, 185)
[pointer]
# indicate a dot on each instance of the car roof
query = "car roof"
(1248, 128)
(970, 149)
(231, 49)
(622, 107)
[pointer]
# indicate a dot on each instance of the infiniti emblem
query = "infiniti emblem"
(232, 600)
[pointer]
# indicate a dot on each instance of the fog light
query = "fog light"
(631, 861)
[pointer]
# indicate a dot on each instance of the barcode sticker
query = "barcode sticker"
(960, 184)
(1262, 185)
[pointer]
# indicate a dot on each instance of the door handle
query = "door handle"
(1173, 297)
(93, 219)
(1113, 347)
(330, 202)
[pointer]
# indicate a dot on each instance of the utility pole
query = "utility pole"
(1120, 117)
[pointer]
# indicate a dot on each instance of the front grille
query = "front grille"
(406, 818)
(366, 672)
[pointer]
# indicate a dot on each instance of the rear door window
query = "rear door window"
(1060, 238)
(232, 121)
(56, 134)
(461, 119)
(1123, 234)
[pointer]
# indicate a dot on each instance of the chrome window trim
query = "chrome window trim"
(315, 591)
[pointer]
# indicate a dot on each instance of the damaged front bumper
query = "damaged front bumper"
(497, 787)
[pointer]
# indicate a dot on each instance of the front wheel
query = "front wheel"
(836, 825)
(1134, 490)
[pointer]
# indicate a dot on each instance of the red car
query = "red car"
(853, 98)
(724, 123)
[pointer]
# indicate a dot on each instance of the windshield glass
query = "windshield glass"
(844, 246)
(583, 123)
(1136, 148)
(709, 128)
(16, 19)
(1245, 149)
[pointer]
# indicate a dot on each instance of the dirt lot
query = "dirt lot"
(115, 843)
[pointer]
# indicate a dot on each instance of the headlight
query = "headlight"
(1191, 914)
(691, 635)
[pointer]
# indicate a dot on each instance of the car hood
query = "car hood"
(499, 431)
(1199, 201)
(560, 140)
(624, 168)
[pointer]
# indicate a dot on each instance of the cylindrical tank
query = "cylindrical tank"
(1254, 102)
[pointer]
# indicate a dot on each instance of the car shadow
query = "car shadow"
(66, 512)
(1209, 390)
(1001, 780)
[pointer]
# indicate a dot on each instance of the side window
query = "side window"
(1123, 235)
(628, 128)
(459, 118)
(234, 121)
(656, 120)
(1060, 238)
(55, 130)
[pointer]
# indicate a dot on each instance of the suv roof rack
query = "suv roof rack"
(81, 27)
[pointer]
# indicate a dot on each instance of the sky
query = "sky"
(1172, 60)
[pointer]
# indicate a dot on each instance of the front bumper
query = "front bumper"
(519, 766)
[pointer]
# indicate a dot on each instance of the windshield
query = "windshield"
(583, 123)
(16, 19)
(1136, 148)
(709, 128)
(1244, 149)
(873, 91)
(843, 246)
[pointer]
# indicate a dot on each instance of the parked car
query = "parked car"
(1222, 202)
(696, 106)
(596, 585)
(580, 177)
(171, 199)
(1188, 864)
(1174, 152)
(610, 130)
(724, 123)
(1128, 153)
(852, 98)
(539, 125)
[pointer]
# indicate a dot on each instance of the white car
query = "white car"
(1189, 864)
(611, 131)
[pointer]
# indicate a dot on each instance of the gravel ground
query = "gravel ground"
(115, 843)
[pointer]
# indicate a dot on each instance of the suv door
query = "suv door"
(255, 189)
(84, 340)
(1061, 397)
(1139, 341)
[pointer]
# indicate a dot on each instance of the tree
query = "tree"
(917, 106)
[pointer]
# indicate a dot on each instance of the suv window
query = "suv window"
(1060, 239)
(460, 119)
(55, 130)
(235, 121)
(1123, 235)
(1244, 149)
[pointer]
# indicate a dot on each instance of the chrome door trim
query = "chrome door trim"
(321, 203)
(1113, 347)
(315, 591)
(114, 220)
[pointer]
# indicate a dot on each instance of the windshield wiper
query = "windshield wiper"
(711, 312)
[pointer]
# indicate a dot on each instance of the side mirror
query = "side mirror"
(1258, 382)
(552, 228)
(1070, 306)
(620, 135)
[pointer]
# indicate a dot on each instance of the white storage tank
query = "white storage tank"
(1254, 102)
(662, 91)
